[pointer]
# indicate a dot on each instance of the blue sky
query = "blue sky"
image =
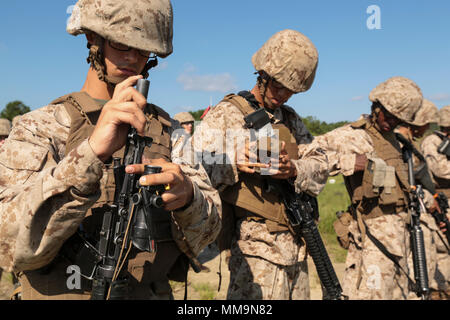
(215, 40)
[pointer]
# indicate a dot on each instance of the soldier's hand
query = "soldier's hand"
(181, 191)
(247, 159)
(124, 109)
(360, 162)
(284, 168)
(435, 207)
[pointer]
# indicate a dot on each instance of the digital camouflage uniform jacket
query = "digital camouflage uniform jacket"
(438, 163)
(44, 195)
(210, 136)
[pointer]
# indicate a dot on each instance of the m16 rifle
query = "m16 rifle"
(442, 201)
(422, 176)
(416, 206)
(300, 211)
(444, 147)
(127, 222)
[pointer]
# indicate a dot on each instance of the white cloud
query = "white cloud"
(223, 82)
(162, 65)
(357, 98)
(440, 97)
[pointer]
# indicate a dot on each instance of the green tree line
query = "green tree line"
(14, 108)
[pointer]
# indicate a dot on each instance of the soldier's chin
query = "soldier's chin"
(273, 104)
(116, 79)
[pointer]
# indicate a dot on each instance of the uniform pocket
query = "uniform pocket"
(19, 160)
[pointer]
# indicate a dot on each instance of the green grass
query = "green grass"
(205, 290)
(333, 198)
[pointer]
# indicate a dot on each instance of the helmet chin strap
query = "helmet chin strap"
(97, 62)
(374, 115)
(263, 82)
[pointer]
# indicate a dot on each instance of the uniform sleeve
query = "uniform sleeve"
(199, 223)
(438, 163)
(42, 199)
(312, 166)
(216, 142)
(341, 146)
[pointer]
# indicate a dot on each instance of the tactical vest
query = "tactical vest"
(442, 185)
(84, 113)
(249, 197)
(391, 198)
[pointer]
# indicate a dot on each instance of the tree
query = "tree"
(197, 114)
(317, 127)
(14, 108)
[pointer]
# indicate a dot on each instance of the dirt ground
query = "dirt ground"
(211, 259)
(204, 285)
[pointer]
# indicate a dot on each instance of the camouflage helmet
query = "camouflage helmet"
(140, 24)
(400, 96)
(183, 117)
(5, 127)
(428, 113)
(444, 117)
(290, 58)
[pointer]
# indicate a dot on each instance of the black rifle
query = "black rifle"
(416, 206)
(442, 201)
(301, 210)
(423, 177)
(127, 222)
(444, 147)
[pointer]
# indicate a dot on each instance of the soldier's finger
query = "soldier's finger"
(131, 94)
(139, 168)
(245, 169)
(256, 165)
(132, 119)
(165, 178)
(129, 82)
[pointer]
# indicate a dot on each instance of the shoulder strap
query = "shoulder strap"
(83, 112)
(362, 123)
(240, 102)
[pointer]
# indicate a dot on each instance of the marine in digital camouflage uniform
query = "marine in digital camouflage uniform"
(439, 165)
(265, 262)
(379, 206)
(57, 188)
(186, 120)
(180, 137)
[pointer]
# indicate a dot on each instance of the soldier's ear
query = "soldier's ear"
(90, 38)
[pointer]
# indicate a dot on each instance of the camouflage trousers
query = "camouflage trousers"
(437, 254)
(254, 278)
(370, 274)
(441, 281)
